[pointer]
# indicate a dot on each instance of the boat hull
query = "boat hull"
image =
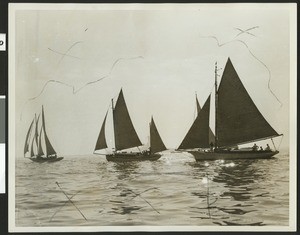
(124, 157)
(231, 155)
(51, 159)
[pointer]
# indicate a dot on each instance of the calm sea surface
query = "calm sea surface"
(175, 190)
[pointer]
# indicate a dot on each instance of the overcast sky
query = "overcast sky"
(167, 54)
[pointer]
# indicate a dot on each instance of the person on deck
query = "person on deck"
(211, 146)
(255, 147)
(268, 148)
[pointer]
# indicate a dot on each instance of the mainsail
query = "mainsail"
(36, 134)
(198, 134)
(238, 119)
(49, 149)
(101, 141)
(198, 105)
(156, 143)
(211, 135)
(40, 149)
(27, 140)
(125, 134)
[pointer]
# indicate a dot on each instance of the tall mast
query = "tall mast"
(216, 105)
(150, 134)
(114, 136)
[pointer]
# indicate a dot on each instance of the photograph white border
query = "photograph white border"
(13, 7)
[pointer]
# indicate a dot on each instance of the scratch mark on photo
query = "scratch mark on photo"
(253, 55)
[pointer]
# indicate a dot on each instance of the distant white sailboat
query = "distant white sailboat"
(37, 143)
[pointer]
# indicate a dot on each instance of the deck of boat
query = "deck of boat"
(50, 159)
(234, 154)
(123, 157)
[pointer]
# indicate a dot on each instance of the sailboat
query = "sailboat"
(125, 136)
(37, 143)
(237, 121)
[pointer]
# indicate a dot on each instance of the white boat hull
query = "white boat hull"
(230, 155)
(124, 157)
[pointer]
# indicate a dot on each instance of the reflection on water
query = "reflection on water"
(125, 170)
(175, 190)
(231, 189)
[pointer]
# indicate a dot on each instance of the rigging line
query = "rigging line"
(255, 57)
(71, 201)
(280, 141)
(273, 144)
(144, 200)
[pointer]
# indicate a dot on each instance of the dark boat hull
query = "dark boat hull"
(231, 155)
(51, 159)
(124, 157)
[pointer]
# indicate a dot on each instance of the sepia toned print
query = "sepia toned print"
(157, 117)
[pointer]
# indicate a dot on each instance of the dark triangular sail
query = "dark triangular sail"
(156, 143)
(40, 150)
(238, 119)
(36, 134)
(125, 134)
(101, 141)
(198, 134)
(211, 135)
(31, 149)
(49, 149)
(198, 105)
(27, 140)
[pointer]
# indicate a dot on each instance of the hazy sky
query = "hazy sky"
(167, 54)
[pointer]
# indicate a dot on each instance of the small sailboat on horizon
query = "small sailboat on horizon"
(237, 122)
(125, 137)
(37, 143)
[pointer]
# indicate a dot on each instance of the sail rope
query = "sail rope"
(280, 141)
(253, 55)
(273, 144)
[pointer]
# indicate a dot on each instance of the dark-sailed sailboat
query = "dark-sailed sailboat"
(237, 121)
(125, 136)
(37, 143)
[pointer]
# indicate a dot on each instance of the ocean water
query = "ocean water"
(175, 190)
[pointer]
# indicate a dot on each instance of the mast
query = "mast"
(216, 105)
(114, 134)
